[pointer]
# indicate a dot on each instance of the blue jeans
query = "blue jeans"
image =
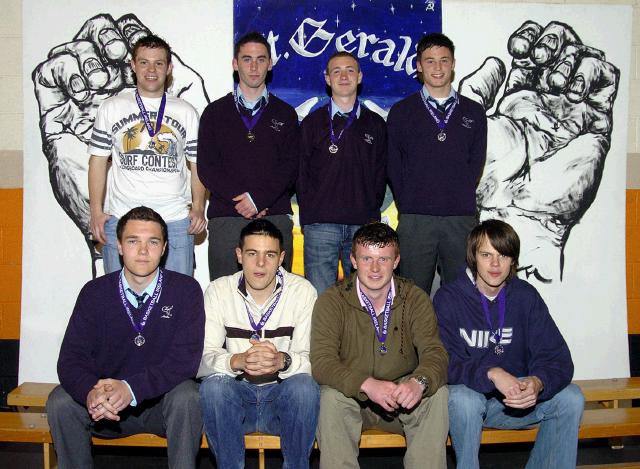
(556, 445)
(233, 407)
(179, 255)
(324, 244)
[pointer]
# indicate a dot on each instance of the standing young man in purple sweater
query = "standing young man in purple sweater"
(131, 349)
(509, 366)
(247, 157)
(342, 172)
(437, 150)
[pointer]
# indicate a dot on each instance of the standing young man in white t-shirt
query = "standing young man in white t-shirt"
(149, 136)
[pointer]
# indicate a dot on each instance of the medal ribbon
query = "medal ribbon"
(386, 314)
(145, 114)
(351, 117)
(439, 122)
(265, 317)
(156, 294)
(249, 123)
(501, 313)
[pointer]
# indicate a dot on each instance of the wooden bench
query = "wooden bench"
(609, 419)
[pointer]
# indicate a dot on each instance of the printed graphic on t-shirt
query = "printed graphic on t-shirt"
(482, 338)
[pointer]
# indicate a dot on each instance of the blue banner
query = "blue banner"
(304, 34)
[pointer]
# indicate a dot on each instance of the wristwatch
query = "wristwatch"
(287, 361)
(422, 380)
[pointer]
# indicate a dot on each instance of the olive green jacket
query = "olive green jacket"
(345, 349)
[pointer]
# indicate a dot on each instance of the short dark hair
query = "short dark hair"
(341, 53)
(375, 234)
(502, 237)
(143, 214)
(264, 228)
(251, 37)
(152, 42)
(434, 40)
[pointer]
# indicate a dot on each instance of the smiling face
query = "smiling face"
(343, 76)
(260, 256)
(252, 64)
(141, 247)
(151, 67)
(492, 267)
(375, 267)
(436, 65)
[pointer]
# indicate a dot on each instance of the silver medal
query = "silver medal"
(251, 136)
(442, 136)
(498, 349)
(139, 340)
(383, 349)
(333, 148)
(255, 336)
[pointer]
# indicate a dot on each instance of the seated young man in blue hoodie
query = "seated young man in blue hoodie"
(509, 366)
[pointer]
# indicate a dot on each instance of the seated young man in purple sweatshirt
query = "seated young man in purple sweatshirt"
(509, 366)
(342, 178)
(131, 349)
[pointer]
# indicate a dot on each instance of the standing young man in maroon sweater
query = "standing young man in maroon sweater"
(247, 157)
(342, 172)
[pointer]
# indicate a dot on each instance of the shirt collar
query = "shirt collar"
(393, 291)
(452, 94)
(335, 109)
(149, 290)
(251, 104)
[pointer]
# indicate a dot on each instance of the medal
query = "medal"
(381, 335)
(145, 114)
(249, 123)
(441, 136)
(265, 317)
(498, 349)
(333, 148)
(139, 340)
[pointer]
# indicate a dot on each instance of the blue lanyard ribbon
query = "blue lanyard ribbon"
(386, 314)
(441, 123)
(145, 114)
(156, 294)
(351, 117)
(265, 317)
(249, 123)
(501, 314)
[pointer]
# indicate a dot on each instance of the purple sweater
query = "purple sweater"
(533, 345)
(229, 164)
(347, 187)
(429, 177)
(99, 344)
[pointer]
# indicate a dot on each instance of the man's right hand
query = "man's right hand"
(97, 222)
(505, 382)
(380, 392)
(259, 360)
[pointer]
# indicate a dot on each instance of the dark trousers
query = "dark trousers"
(176, 416)
(224, 234)
(428, 241)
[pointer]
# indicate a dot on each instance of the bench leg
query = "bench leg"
(49, 456)
(261, 458)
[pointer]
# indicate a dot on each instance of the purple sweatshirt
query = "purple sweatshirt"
(99, 343)
(229, 164)
(429, 177)
(346, 187)
(533, 345)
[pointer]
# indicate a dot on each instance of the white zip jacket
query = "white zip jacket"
(228, 330)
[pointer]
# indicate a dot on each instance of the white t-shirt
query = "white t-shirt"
(144, 170)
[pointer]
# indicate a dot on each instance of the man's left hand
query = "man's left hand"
(198, 221)
(530, 387)
(408, 394)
